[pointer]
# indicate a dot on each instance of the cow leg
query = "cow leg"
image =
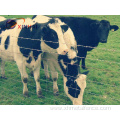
(83, 60)
(31, 72)
(3, 69)
(78, 62)
(46, 69)
(24, 76)
(83, 63)
(36, 73)
(54, 75)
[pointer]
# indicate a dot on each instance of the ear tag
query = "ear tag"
(112, 30)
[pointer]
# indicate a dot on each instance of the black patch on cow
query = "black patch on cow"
(71, 72)
(25, 80)
(64, 28)
(31, 44)
(7, 42)
(52, 21)
(50, 36)
(29, 60)
(0, 40)
(34, 16)
(42, 65)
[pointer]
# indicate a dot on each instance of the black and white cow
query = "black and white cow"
(51, 59)
(74, 83)
(24, 45)
(88, 33)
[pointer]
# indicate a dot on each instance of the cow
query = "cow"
(88, 34)
(71, 55)
(74, 83)
(25, 44)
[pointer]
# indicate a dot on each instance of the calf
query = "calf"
(74, 83)
(24, 46)
(88, 33)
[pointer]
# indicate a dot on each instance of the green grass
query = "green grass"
(103, 79)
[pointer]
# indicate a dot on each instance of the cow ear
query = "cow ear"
(64, 28)
(94, 24)
(10, 24)
(114, 27)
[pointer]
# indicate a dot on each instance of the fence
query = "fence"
(103, 81)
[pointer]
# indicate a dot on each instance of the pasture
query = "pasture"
(103, 79)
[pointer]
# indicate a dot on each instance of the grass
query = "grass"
(103, 79)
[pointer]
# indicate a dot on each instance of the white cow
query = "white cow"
(24, 45)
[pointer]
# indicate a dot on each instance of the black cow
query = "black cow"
(88, 33)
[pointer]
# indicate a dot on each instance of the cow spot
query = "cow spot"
(73, 88)
(51, 37)
(29, 60)
(7, 42)
(25, 80)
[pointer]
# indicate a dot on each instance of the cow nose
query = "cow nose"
(65, 52)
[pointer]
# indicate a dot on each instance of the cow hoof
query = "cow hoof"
(39, 94)
(3, 77)
(83, 67)
(26, 94)
(47, 77)
(56, 93)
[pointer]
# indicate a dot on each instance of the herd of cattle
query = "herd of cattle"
(58, 43)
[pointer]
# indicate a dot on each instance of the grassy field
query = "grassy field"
(103, 79)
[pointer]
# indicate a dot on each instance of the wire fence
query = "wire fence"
(103, 82)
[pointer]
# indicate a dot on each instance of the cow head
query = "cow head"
(69, 41)
(52, 35)
(71, 44)
(76, 89)
(74, 83)
(102, 28)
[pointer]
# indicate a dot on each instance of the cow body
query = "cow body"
(24, 46)
(88, 33)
